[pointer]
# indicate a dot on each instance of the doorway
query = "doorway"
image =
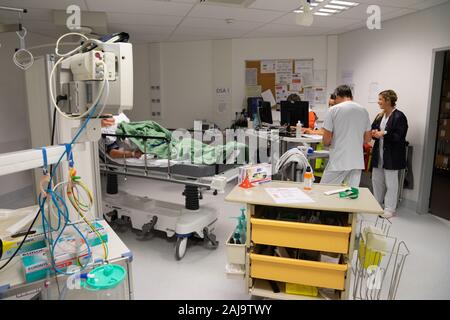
(440, 185)
(435, 172)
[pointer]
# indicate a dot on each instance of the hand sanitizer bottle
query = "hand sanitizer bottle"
(298, 131)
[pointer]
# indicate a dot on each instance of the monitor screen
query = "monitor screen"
(265, 113)
(292, 112)
(252, 106)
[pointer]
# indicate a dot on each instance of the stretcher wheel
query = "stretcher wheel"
(215, 192)
(180, 249)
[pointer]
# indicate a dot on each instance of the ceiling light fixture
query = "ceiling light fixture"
(344, 3)
(325, 7)
(328, 10)
(333, 6)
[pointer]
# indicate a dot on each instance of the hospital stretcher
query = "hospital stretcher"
(147, 214)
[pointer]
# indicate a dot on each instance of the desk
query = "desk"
(260, 268)
(12, 280)
(297, 140)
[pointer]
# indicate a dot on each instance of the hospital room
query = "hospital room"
(242, 151)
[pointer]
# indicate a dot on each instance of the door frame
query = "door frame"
(431, 127)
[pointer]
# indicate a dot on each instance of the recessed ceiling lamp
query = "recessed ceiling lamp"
(321, 8)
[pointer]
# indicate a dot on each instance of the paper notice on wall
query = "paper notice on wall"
(304, 64)
(281, 93)
(316, 96)
(307, 78)
(283, 78)
(268, 66)
(253, 91)
(296, 83)
(251, 76)
(320, 78)
(223, 99)
(309, 95)
(320, 96)
(268, 97)
(374, 90)
(284, 66)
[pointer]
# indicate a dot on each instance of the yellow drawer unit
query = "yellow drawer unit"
(301, 235)
(311, 273)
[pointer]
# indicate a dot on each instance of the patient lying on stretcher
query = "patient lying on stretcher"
(118, 148)
(162, 143)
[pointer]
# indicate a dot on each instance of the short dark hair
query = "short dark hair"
(344, 91)
(293, 97)
(332, 96)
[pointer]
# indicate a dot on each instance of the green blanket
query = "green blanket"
(184, 149)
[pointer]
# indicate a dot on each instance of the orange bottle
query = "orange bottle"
(308, 179)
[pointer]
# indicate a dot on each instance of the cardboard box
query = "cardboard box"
(36, 240)
(91, 236)
(37, 263)
(258, 173)
(9, 245)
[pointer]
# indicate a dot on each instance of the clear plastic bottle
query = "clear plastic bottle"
(298, 129)
(308, 179)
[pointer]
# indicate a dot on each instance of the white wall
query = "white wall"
(399, 57)
(190, 72)
(141, 81)
(186, 81)
(223, 78)
(14, 130)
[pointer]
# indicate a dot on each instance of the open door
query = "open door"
(440, 186)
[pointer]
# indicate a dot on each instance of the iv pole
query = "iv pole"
(12, 27)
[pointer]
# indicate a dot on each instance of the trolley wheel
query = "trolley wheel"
(180, 249)
(215, 192)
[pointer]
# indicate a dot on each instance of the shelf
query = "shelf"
(262, 288)
(442, 172)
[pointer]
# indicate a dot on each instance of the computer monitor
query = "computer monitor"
(252, 106)
(265, 113)
(292, 112)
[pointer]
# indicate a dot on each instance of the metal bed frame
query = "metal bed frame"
(108, 166)
(148, 215)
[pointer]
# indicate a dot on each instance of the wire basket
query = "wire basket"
(379, 261)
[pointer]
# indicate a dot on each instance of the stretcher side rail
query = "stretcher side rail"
(135, 171)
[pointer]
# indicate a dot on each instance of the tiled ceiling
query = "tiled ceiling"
(186, 20)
